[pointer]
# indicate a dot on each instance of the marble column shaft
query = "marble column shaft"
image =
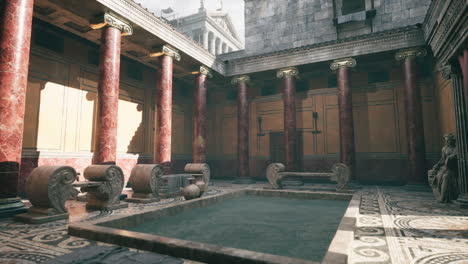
(15, 40)
(199, 119)
(463, 60)
(346, 121)
(205, 40)
(289, 115)
(414, 117)
(108, 93)
(242, 126)
(460, 95)
(162, 148)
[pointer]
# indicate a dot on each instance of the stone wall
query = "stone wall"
(277, 25)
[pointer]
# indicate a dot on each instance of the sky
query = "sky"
(235, 8)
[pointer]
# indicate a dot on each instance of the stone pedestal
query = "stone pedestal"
(15, 40)
(163, 136)
(144, 179)
(289, 102)
(345, 110)
(414, 117)
(199, 116)
(242, 130)
(104, 186)
(108, 85)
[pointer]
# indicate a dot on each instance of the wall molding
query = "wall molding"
(80, 155)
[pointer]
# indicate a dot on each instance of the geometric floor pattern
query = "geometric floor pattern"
(393, 226)
(398, 226)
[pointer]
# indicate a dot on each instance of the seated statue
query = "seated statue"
(444, 174)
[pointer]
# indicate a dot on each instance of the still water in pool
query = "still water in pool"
(295, 228)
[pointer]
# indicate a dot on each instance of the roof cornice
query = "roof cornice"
(365, 44)
(138, 15)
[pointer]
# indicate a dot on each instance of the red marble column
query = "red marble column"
(414, 117)
(199, 117)
(289, 121)
(162, 147)
(15, 39)
(163, 133)
(345, 112)
(108, 93)
(463, 60)
(242, 126)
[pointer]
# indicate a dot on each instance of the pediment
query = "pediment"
(225, 22)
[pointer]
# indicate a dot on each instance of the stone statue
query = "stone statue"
(443, 176)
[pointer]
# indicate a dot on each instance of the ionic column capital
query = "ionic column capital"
(240, 79)
(112, 20)
(205, 71)
(289, 71)
(451, 68)
(343, 63)
(167, 50)
(410, 53)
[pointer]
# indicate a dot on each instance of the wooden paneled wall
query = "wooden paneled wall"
(61, 113)
(379, 120)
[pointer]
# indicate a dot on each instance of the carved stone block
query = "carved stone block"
(199, 168)
(144, 180)
(47, 188)
(105, 185)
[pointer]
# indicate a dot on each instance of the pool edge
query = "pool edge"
(207, 253)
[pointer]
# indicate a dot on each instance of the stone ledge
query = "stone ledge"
(356, 46)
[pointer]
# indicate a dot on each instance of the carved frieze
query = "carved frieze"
(289, 71)
(410, 53)
(343, 63)
(112, 20)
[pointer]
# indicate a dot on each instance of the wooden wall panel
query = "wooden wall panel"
(382, 128)
(31, 115)
(332, 131)
(87, 120)
(52, 114)
(178, 132)
(130, 127)
(229, 130)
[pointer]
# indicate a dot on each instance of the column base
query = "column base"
(108, 207)
(462, 201)
(34, 218)
(244, 180)
(11, 206)
(417, 187)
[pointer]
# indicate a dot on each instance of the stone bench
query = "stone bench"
(48, 188)
(149, 184)
(340, 174)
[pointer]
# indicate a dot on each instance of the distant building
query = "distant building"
(213, 30)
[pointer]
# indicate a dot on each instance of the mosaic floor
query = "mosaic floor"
(393, 226)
